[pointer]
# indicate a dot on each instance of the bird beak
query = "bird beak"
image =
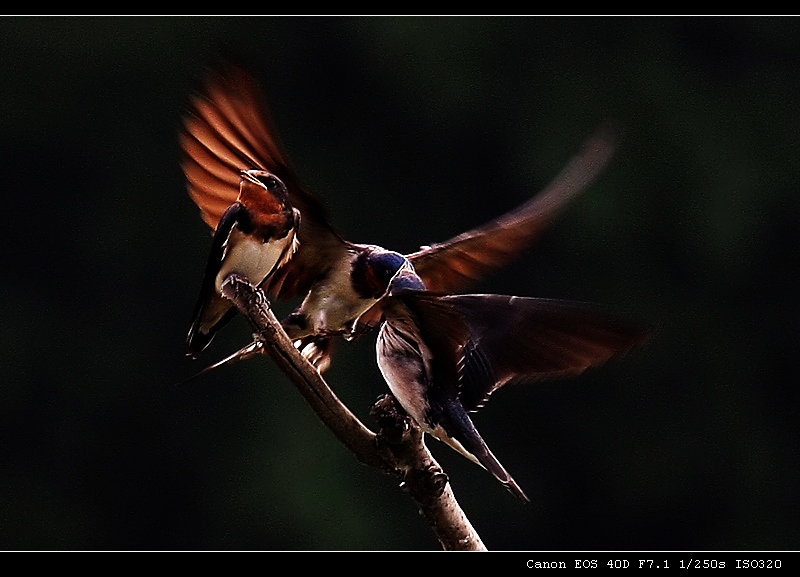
(249, 176)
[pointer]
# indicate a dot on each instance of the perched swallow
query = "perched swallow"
(442, 356)
(255, 237)
(228, 128)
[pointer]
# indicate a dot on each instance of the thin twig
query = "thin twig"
(398, 448)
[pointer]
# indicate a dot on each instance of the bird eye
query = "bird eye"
(386, 264)
(269, 181)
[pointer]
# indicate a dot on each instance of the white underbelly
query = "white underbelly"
(251, 258)
(404, 372)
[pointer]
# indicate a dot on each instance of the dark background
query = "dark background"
(410, 130)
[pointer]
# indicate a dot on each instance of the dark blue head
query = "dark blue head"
(373, 270)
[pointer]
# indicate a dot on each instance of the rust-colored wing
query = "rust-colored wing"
(452, 265)
(228, 128)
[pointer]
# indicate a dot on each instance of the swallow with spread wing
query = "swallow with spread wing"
(228, 129)
(443, 355)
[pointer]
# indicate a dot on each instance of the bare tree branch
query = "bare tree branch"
(401, 442)
(398, 448)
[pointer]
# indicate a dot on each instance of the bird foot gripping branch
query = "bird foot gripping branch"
(402, 441)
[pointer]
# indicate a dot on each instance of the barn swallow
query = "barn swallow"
(255, 236)
(228, 128)
(443, 355)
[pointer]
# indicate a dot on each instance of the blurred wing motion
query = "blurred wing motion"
(228, 129)
(442, 356)
(452, 265)
(496, 339)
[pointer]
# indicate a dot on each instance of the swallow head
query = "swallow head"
(264, 179)
(266, 200)
(374, 270)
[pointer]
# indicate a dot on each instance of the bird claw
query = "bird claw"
(395, 424)
(430, 481)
